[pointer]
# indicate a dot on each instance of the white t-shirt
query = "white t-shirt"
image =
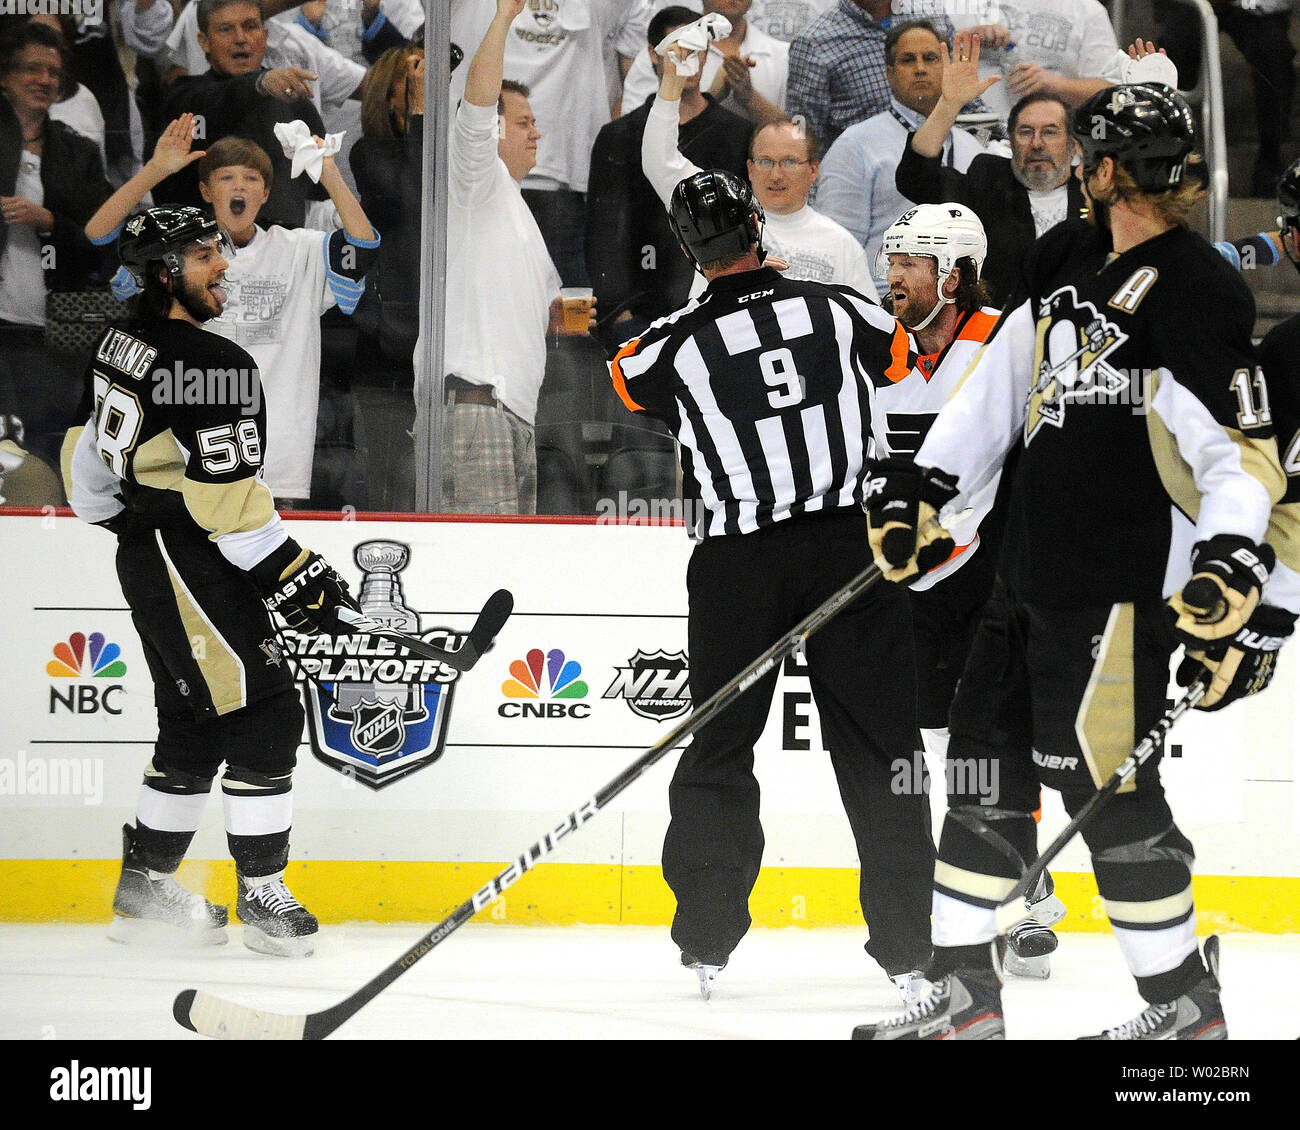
(278, 288)
(769, 73)
(1049, 208)
(500, 278)
(22, 281)
(81, 112)
(784, 19)
(1071, 38)
(562, 50)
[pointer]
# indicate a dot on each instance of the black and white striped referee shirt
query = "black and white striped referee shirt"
(764, 381)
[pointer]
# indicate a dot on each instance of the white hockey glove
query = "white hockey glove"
(693, 38)
(1228, 572)
(1243, 665)
(903, 503)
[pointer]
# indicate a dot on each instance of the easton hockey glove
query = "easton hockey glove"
(1228, 573)
(902, 504)
(1243, 665)
(304, 589)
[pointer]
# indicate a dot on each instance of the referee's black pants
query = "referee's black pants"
(745, 593)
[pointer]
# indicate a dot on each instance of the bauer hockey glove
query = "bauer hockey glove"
(1228, 573)
(304, 589)
(1243, 665)
(903, 503)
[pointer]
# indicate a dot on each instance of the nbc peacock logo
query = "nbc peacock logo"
(86, 657)
(545, 684)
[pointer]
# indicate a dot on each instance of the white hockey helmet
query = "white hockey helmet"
(945, 232)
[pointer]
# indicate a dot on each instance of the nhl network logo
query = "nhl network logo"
(654, 684)
(377, 713)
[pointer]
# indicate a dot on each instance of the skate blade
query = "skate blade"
(1048, 911)
(707, 975)
(259, 942)
(1034, 968)
(151, 932)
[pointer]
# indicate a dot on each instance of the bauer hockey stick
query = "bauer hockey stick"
(1014, 909)
(213, 1016)
(489, 622)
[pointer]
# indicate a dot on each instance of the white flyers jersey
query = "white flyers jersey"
(903, 412)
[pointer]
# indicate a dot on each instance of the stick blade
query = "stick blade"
(224, 1020)
(492, 619)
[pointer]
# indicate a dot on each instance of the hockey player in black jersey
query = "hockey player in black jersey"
(762, 379)
(169, 460)
(1146, 467)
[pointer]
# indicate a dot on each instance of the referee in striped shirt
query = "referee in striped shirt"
(764, 381)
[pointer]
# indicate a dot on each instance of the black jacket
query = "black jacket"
(990, 190)
(633, 257)
(230, 105)
(72, 176)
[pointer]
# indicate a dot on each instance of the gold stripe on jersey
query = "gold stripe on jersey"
(1171, 909)
(65, 456)
(1258, 459)
(229, 508)
(1105, 722)
(219, 665)
(159, 462)
(1284, 534)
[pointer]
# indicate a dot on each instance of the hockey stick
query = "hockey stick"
(213, 1016)
(1014, 909)
(489, 622)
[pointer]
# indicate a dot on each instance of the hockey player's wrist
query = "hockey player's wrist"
(278, 564)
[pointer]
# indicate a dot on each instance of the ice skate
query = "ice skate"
(274, 921)
(1196, 1015)
(1030, 943)
(151, 906)
(965, 1005)
(706, 971)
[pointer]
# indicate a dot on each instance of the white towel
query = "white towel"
(302, 150)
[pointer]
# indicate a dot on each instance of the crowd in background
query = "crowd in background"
(840, 113)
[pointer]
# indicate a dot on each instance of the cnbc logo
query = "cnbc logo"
(544, 685)
(86, 657)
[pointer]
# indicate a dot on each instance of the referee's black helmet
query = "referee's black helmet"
(714, 214)
(1146, 127)
(163, 234)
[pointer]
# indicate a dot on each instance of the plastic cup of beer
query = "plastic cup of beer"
(577, 302)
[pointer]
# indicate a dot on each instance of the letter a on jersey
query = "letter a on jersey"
(1071, 345)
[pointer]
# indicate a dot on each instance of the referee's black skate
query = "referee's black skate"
(152, 906)
(274, 921)
(964, 1005)
(706, 970)
(1196, 1015)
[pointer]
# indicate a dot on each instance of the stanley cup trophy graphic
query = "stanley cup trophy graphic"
(381, 598)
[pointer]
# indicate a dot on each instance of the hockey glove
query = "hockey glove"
(1243, 665)
(1228, 572)
(902, 504)
(304, 589)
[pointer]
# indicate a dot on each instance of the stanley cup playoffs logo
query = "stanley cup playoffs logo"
(378, 713)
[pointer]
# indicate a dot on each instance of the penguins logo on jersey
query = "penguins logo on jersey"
(1072, 343)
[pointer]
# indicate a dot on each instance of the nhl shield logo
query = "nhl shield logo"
(654, 684)
(376, 713)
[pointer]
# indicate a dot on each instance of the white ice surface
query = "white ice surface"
(498, 982)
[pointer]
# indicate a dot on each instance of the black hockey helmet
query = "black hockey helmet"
(714, 214)
(1288, 195)
(1146, 127)
(163, 234)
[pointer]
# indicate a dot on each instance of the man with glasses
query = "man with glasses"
(857, 187)
(1020, 199)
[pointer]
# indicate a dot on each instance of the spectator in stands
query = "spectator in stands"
(1261, 31)
(502, 293)
(784, 19)
(51, 181)
(636, 268)
(782, 167)
(1061, 47)
(747, 71)
(1020, 198)
(837, 66)
(567, 54)
(145, 27)
(238, 96)
(279, 283)
(388, 165)
(857, 186)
